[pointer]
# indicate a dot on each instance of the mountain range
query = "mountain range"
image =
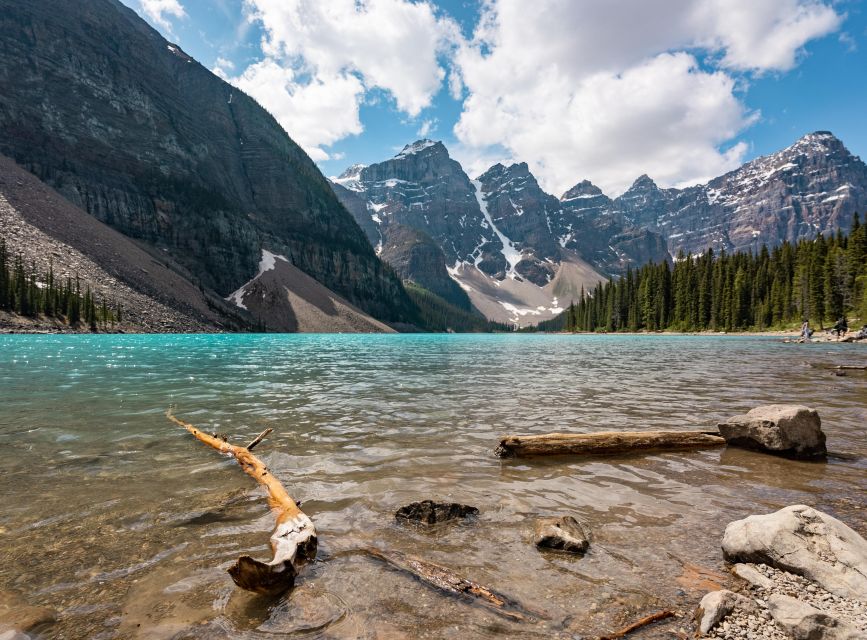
(520, 254)
(127, 163)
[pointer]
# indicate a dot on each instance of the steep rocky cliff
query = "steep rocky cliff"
(131, 129)
(49, 232)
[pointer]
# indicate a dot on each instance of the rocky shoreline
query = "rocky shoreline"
(822, 595)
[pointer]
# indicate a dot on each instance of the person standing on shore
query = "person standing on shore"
(806, 332)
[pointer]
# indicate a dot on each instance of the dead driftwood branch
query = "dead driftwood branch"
(653, 617)
(445, 580)
(605, 442)
(293, 541)
(850, 367)
(259, 438)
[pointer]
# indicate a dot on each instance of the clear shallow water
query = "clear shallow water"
(124, 525)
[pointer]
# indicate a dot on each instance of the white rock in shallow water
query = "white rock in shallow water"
(803, 622)
(716, 605)
(804, 541)
(777, 428)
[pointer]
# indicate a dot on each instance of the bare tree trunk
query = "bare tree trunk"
(293, 541)
(605, 442)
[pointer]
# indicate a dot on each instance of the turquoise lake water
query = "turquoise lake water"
(124, 525)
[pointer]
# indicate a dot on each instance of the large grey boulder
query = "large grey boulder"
(778, 428)
(716, 605)
(564, 533)
(804, 622)
(806, 542)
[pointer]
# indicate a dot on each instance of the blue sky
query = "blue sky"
(684, 90)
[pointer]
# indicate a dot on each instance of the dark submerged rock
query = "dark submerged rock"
(430, 512)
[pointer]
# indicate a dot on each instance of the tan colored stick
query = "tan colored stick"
(653, 617)
(605, 442)
(293, 541)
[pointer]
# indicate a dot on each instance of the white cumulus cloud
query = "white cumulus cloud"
(159, 11)
(327, 54)
(611, 89)
(316, 112)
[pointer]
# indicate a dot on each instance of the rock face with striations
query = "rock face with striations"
(130, 128)
(564, 533)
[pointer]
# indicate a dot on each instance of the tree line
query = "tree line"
(819, 280)
(26, 292)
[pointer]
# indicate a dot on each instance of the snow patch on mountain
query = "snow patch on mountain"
(415, 147)
(510, 253)
(266, 263)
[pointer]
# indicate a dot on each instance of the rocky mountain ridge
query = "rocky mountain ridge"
(505, 241)
(813, 186)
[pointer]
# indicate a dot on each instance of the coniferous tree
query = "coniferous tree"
(817, 280)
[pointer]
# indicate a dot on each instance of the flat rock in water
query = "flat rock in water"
(564, 533)
(777, 428)
(716, 605)
(430, 512)
(806, 542)
(803, 622)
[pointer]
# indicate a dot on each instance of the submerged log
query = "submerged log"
(605, 442)
(445, 580)
(293, 541)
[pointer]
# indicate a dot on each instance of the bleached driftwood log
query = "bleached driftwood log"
(445, 580)
(605, 442)
(293, 541)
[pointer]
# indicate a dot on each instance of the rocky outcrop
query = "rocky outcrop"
(430, 512)
(806, 542)
(134, 131)
(563, 533)
(293, 302)
(784, 429)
